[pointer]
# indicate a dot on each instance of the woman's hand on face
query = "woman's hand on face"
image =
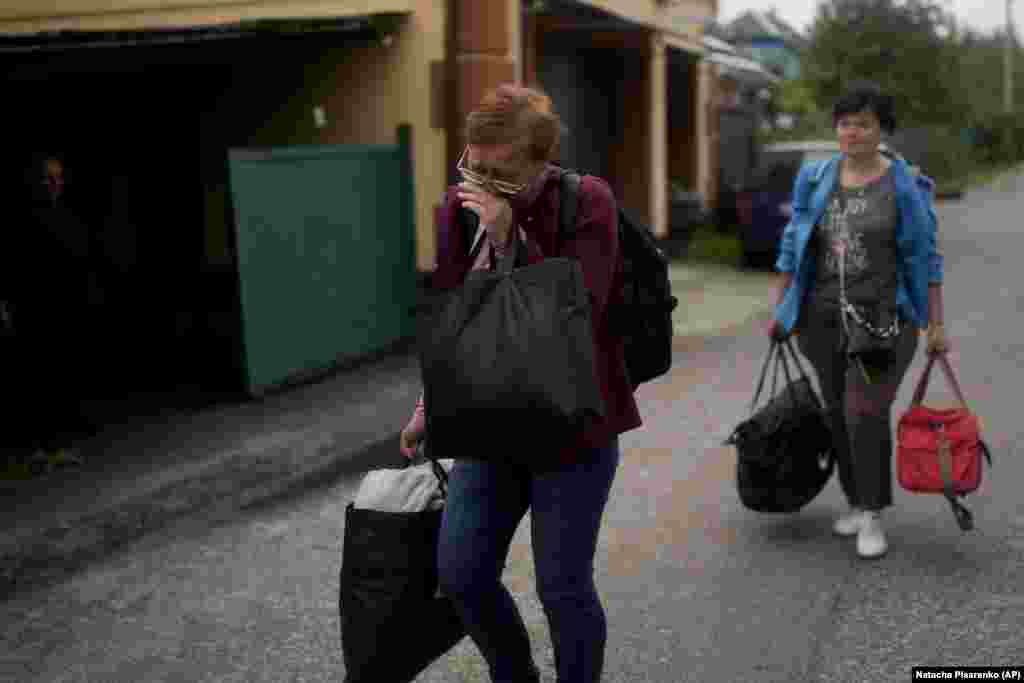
(495, 212)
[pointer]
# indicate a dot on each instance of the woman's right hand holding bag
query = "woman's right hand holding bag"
(414, 432)
(937, 342)
(775, 329)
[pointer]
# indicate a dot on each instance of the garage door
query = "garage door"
(326, 255)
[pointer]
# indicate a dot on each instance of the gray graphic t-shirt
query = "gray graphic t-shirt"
(859, 227)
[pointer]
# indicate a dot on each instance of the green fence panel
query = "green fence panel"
(326, 255)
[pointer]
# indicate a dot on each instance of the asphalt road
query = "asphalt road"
(696, 588)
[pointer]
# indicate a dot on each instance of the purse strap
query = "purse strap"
(778, 351)
(922, 383)
(426, 451)
(764, 373)
(788, 346)
(508, 259)
(796, 358)
(964, 518)
(439, 471)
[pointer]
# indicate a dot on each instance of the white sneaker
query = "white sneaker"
(850, 523)
(871, 538)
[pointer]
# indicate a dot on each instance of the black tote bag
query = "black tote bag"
(508, 363)
(785, 450)
(393, 622)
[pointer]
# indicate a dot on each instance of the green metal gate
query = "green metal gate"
(326, 255)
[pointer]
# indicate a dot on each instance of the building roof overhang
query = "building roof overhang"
(21, 19)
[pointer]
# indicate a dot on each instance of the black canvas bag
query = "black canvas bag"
(508, 347)
(393, 623)
(785, 451)
(642, 312)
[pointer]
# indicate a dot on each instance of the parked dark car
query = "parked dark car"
(763, 205)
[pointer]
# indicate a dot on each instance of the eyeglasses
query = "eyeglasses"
(492, 185)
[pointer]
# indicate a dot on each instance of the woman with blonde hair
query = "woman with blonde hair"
(511, 184)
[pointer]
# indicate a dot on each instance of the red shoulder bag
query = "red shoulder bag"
(940, 451)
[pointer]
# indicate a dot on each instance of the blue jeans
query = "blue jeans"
(486, 503)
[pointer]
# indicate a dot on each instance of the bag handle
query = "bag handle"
(512, 253)
(439, 471)
(780, 347)
(964, 518)
(427, 452)
(764, 374)
(796, 358)
(784, 363)
(787, 345)
(568, 205)
(922, 383)
(778, 352)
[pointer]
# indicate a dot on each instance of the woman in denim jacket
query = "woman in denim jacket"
(864, 232)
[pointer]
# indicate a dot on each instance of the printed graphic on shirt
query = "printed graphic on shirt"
(844, 243)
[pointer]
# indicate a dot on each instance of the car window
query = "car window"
(775, 171)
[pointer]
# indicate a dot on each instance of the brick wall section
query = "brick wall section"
(485, 56)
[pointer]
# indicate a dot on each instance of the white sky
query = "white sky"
(983, 15)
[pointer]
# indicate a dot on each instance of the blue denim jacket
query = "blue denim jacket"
(916, 238)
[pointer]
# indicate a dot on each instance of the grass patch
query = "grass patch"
(712, 246)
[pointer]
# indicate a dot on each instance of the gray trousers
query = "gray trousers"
(860, 411)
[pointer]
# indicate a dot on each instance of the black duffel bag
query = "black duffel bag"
(508, 362)
(785, 450)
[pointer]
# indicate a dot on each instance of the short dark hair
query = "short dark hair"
(866, 96)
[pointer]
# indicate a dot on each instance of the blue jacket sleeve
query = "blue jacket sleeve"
(936, 261)
(786, 262)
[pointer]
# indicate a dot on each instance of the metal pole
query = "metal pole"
(1008, 61)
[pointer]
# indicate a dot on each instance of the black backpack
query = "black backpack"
(643, 314)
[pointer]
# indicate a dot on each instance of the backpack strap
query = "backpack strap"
(568, 209)
(469, 223)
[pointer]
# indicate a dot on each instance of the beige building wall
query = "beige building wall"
(657, 95)
(682, 18)
(708, 133)
(364, 93)
(642, 161)
(678, 24)
(494, 46)
(683, 133)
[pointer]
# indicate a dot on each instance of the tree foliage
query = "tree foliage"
(981, 73)
(909, 47)
(796, 97)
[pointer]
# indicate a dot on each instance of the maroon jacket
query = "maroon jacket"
(596, 246)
